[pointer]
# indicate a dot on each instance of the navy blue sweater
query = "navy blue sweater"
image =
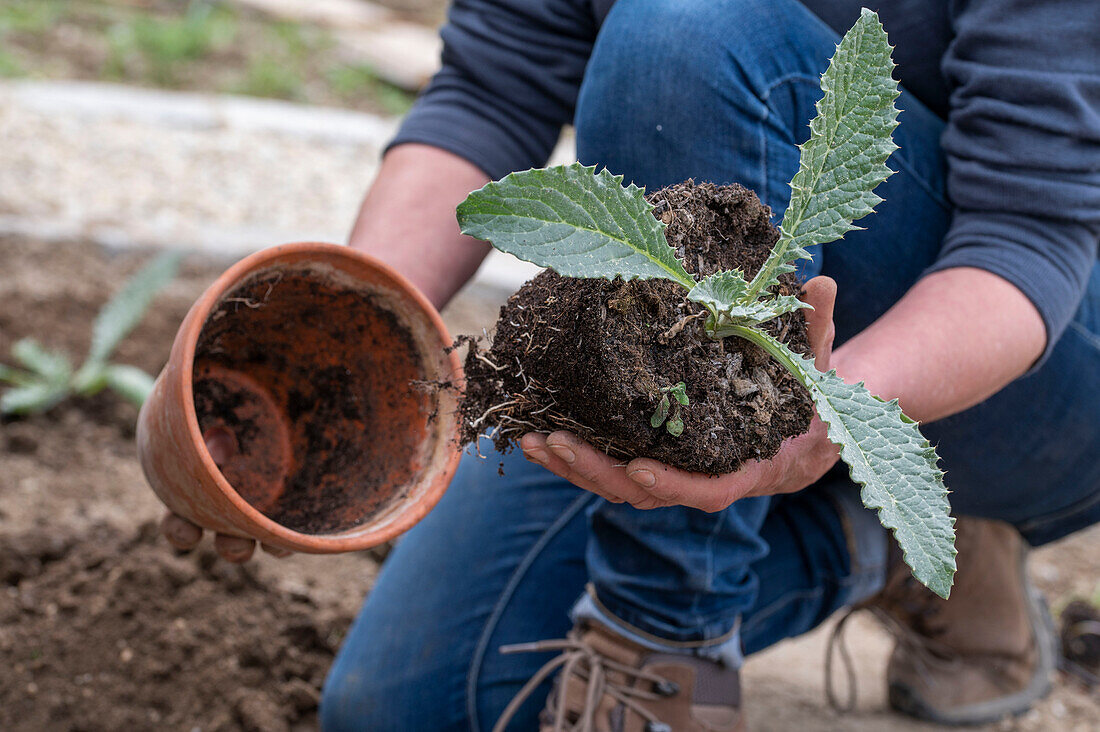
(1017, 81)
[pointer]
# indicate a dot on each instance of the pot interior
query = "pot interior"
(308, 390)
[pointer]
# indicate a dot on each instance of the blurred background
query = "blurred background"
(216, 128)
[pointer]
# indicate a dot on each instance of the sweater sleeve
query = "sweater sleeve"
(1023, 148)
(509, 82)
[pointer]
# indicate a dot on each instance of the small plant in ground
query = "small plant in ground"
(668, 410)
(581, 223)
(45, 377)
(166, 45)
(358, 81)
(29, 16)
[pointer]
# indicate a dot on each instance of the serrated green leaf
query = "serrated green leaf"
(845, 157)
(130, 382)
(675, 426)
(726, 295)
(679, 391)
(32, 398)
(575, 221)
(889, 457)
(721, 289)
(126, 309)
(52, 366)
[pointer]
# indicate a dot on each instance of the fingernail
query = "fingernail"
(564, 453)
(644, 478)
(538, 457)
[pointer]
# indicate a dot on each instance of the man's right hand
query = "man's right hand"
(185, 536)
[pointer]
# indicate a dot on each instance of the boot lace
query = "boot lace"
(580, 660)
(907, 611)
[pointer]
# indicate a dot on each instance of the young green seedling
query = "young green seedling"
(47, 377)
(668, 411)
(581, 223)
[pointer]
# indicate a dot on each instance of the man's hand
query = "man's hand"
(185, 536)
(646, 483)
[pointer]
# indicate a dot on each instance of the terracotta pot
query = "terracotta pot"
(301, 404)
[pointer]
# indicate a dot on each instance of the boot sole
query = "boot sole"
(903, 700)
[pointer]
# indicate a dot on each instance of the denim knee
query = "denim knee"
(360, 695)
(339, 697)
(671, 81)
(696, 42)
(347, 698)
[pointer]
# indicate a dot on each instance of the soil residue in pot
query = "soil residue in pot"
(593, 356)
(313, 379)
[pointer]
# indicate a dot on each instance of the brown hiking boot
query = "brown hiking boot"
(986, 653)
(610, 684)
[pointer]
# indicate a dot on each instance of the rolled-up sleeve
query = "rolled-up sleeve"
(1023, 148)
(509, 81)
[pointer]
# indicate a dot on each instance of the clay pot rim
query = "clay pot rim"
(399, 518)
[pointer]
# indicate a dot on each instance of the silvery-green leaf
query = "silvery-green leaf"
(128, 306)
(130, 382)
(52, 366)
(575, 221)
(726, 294)
(32, 398)
(889, 457)
(90, 378)
(661, 413)
(15, 376)
(845, 157)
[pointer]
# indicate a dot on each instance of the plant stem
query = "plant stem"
(777, 256)
(769, 345)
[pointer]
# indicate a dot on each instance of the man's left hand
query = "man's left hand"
(646, 483)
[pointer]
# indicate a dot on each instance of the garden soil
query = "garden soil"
(104, 627)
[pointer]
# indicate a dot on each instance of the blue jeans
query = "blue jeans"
(719, 91)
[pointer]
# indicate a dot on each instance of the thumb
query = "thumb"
(820, 293)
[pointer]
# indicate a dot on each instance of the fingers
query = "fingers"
(567, 456)
(820, 292)
(276, 551)
(180, 533)
(234, 549)
(671, 486)
(185, 536)
(645, 483)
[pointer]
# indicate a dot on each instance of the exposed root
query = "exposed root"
(672, 332)
(481, 357)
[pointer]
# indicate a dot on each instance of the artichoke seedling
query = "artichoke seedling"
(584, 223)
(44, 378)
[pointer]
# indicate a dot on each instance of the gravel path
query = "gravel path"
(135, 167)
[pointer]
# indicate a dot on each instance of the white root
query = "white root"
(488, 363)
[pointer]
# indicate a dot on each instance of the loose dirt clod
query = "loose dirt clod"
(109, 632)
(595, 356)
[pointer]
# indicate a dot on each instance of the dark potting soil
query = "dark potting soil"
(592, 356)
(294, 351)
